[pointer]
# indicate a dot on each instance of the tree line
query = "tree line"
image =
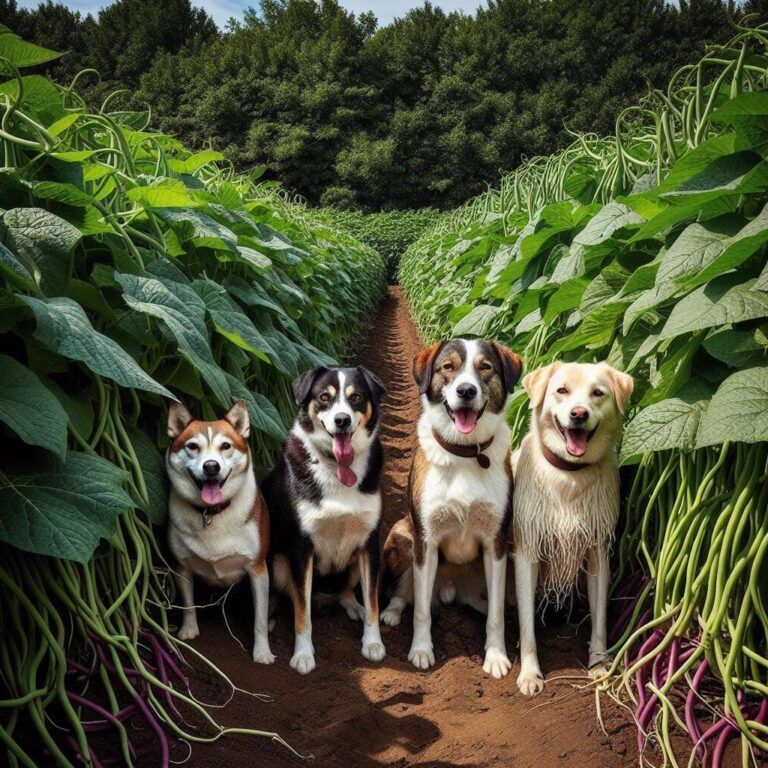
(422, 112)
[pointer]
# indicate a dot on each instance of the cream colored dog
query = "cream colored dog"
(566, 500)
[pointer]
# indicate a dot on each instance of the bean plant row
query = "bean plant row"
(648, 249)
(132, 272)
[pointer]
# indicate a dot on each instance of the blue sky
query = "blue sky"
(221, 10)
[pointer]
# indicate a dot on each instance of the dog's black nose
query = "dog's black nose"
(211, 468)
(579, 415)
(466, 391)
(342, 420)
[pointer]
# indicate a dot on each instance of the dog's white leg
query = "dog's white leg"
(373, 647)
(403, 595)
(597, 591)
(185, 582)
(530, 681)
(421, 654)
(497, 662)
(260, 588)
(303, 659)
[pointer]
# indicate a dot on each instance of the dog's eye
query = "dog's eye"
(486, 367)
(192, 447)
(562, 390)
(226, 446)
(597, 392)
(447, 366)
(354, 398)
(324, 398)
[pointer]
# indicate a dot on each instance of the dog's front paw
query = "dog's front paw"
(497, 663)
(530, 683)
(421, 656)
(188, 632)
(354, 610)
(599, 667)
(391, 616)
(374, 651)
(263, 655)
(303, 662)
(447, 592)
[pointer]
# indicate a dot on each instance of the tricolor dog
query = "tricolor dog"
(218, 523)
(460, 491)
(325, 502)
(567, 498)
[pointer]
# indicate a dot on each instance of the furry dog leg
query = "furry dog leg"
(421, 654)
(260, 587)
(530, 681)
(303, 660)
(184, 580)
(373, 647)
(497, 662)
(597, 591)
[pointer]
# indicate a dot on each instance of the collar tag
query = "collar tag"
(207, 517)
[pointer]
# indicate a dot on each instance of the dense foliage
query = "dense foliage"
(388, 233)
(132, 271)
(422, 112)
(649, 250)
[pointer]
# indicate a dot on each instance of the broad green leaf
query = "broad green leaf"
(595, 330)
(231, 322)
(44, 242)
(608, 220)
(671, 423)
(20, 53)
(478, 321)
(29, 409)
(724, 301)
(264, 416)
(63, 327)
(697, 246)
(183, 312)
(746, 105)
(62, 511)
(198, 227)
(737, 349)
(169, 194)
(154, 473)
(41, 99)
(195, 162)
(738, 411)
(68, 194)
(565, 298)
(13, 269)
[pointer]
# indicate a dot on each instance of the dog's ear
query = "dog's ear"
(622, 384)
(178, 419)
(303, 384)
(536, 382)
(375, 384)
(511, 365)
(422, 366)
(239, 419)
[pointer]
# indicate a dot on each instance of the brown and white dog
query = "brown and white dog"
(567, 498)
(460, 491)
(325, 503)
(218, 522)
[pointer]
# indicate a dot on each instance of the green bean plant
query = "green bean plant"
(648, 249)
(387, 232)
(132, 272)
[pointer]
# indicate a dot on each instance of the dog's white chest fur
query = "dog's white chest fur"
(462, 504)
(342, 522)
(219, 552)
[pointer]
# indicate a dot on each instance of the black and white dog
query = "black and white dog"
(325, 502)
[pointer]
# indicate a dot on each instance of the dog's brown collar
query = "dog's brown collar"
(208, 513)
(560, 463)
(466, 451)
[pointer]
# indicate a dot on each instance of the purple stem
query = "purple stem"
(691, 721)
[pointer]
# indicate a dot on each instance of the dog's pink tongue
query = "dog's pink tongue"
(211, 494)
(346, 476)
(576, 441)
(465, 420)
(342, 449)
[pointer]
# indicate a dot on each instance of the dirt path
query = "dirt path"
(351, 713)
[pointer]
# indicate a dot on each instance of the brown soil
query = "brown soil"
(350, 712)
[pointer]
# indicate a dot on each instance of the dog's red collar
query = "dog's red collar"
(466, 451)
(209, 512)
(560, 463)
